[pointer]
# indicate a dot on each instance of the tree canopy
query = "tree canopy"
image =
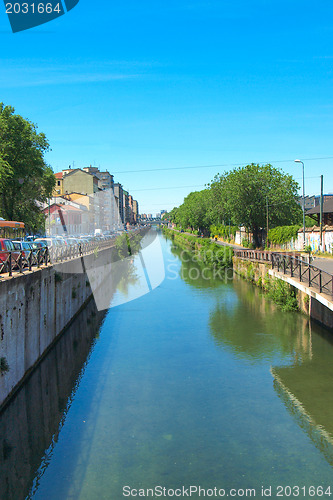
(26, 180)
(241, 198)
(246, 192)
(194, 212)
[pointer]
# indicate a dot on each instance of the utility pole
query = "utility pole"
(299, 161)
(321, 208)
(49, 218)
(267, 221)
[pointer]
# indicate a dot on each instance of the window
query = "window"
(9, 245)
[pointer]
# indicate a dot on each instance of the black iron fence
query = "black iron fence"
(295, 266)
(19, 261)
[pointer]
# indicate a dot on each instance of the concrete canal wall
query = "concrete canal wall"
(36, 307)
(313, 304)
(40, 405)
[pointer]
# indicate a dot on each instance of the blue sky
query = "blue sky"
(152, 85)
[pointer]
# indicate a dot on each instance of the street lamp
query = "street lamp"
(299, 161)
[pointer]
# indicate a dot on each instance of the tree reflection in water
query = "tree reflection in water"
(304, 381)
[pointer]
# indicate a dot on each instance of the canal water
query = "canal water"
(200, 382)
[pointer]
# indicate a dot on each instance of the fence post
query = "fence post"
(10, 264)
(320, 282)
(20, 262)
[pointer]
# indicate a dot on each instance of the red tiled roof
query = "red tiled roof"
(64, 208)
(58, 175)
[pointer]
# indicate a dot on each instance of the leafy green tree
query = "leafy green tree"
(173, 215)
(26, 181)
(194, 211)
(166, 216)
(243, 195)
(197, 205)
(217, 209)
(181, 215)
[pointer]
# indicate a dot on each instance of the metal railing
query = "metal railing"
(295, 266)
(19, 261)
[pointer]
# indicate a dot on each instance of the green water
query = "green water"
(201, 382)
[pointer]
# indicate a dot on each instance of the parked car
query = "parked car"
(37, 245)
(72, 241)
(24, 247)
(49, 242)
(7, 246)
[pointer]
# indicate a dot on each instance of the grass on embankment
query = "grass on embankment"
(280, 292)
(127, 244)
(205, 251)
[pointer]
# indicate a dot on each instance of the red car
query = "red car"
(7, 246)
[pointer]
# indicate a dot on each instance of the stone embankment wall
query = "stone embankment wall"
(39, 406)
(36, 307)
(257, 272)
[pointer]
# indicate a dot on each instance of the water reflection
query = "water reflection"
(183, 397)
(199, 275)
(306, 390)
(132, 276)
(255, 330)
(31, 423)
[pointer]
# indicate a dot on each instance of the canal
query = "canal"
(200, 382)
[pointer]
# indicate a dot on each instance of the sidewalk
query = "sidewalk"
(224, 244)
(325, 264)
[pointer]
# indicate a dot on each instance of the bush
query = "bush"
(283, 294)
(247, 244)
(225, 232)
(205, 251)
(127, 244)
(282, 234)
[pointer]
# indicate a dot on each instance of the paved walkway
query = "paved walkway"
(323, 263)
(223, 244)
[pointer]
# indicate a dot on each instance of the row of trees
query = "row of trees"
(243, 197)
(26, 180)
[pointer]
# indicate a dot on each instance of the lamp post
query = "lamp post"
(299, 161)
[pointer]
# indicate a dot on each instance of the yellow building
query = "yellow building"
(80, 182)
(58, 189)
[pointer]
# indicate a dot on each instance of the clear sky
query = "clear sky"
(151, 85)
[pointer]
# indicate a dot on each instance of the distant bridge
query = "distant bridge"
(152, 222)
